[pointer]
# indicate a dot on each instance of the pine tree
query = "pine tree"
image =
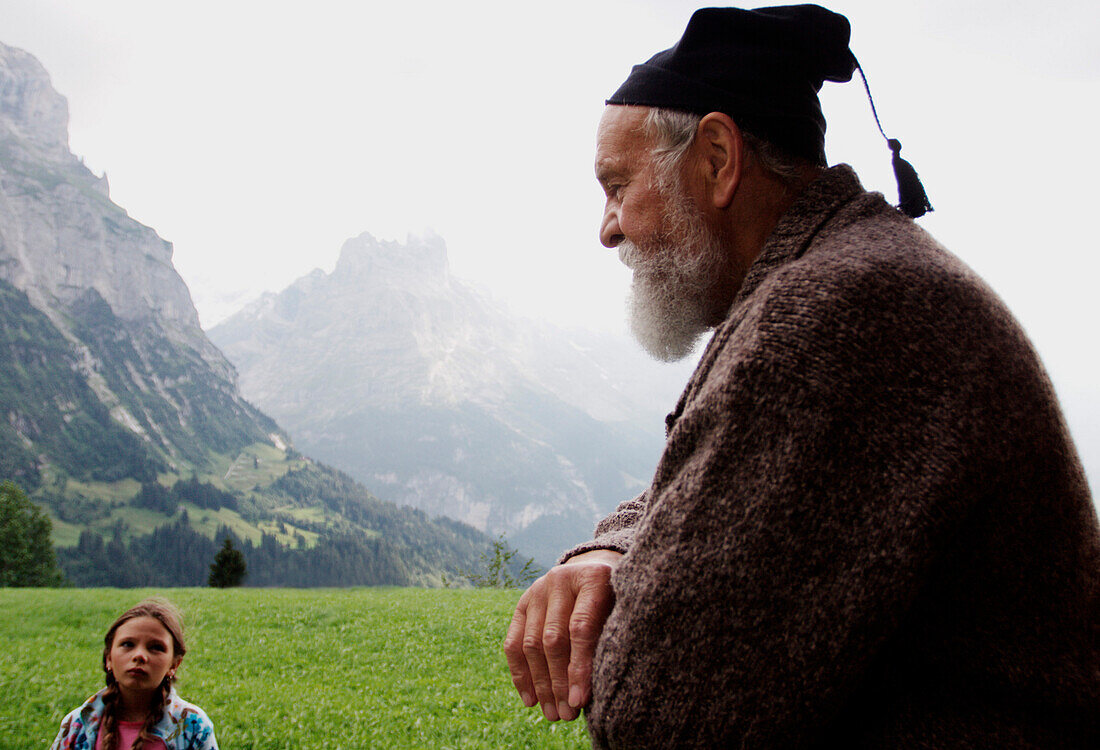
(499, 564)
(228, 568)
(27, 556)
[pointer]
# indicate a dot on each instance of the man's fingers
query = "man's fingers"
(555, 641)
(590, 610)
(513, 650)
(536, 659)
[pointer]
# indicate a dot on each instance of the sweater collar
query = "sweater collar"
(796, 228)
(810, 211)
(167, 728)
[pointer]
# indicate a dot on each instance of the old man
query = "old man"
(869, 527)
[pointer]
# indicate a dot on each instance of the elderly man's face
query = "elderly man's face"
(662, 235)
(627, 172)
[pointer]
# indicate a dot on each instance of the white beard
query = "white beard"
(675, 295)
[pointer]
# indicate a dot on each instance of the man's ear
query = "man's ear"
(722, 156)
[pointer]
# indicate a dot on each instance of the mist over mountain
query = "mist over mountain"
(406, 377)
(121, 419)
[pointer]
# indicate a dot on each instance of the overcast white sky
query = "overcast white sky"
(258, 136)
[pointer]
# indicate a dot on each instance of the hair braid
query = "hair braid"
(156, 710)
(108, 727)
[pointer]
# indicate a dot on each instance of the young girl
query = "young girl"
(139, 709)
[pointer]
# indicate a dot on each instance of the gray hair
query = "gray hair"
(673, 132)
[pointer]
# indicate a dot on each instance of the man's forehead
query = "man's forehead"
(619, 120)
(620, 138)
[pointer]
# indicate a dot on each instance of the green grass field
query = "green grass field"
(290, 668)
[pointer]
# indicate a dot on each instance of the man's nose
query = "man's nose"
(610, 233)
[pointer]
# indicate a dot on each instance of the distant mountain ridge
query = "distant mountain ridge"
(125, 423)
(397, 372)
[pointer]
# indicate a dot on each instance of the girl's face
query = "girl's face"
(141, 655)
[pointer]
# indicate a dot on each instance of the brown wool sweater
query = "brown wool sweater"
(869, 527)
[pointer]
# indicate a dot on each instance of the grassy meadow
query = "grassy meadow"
(290, 668)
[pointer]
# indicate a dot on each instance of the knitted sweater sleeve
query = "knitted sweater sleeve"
(616, 531)
(804, 497)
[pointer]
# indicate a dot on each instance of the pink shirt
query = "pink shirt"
(128, 731)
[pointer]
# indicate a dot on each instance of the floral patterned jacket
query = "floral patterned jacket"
(184, 726)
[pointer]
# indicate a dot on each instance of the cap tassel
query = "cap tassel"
(912, 200)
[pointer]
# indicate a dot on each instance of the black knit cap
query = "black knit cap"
(761, 67)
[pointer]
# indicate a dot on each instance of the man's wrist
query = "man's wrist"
(609, 556)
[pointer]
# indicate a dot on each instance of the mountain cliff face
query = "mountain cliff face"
(62, 234)
(395, 371)
(123, 334)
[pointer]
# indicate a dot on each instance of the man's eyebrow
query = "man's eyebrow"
(608, 168)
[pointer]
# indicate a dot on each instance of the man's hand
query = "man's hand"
(554, 631)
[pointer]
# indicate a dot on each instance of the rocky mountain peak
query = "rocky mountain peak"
(29, 105)
(419, 261)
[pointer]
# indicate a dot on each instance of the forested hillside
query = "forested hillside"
(346, 538)
(50, 408)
